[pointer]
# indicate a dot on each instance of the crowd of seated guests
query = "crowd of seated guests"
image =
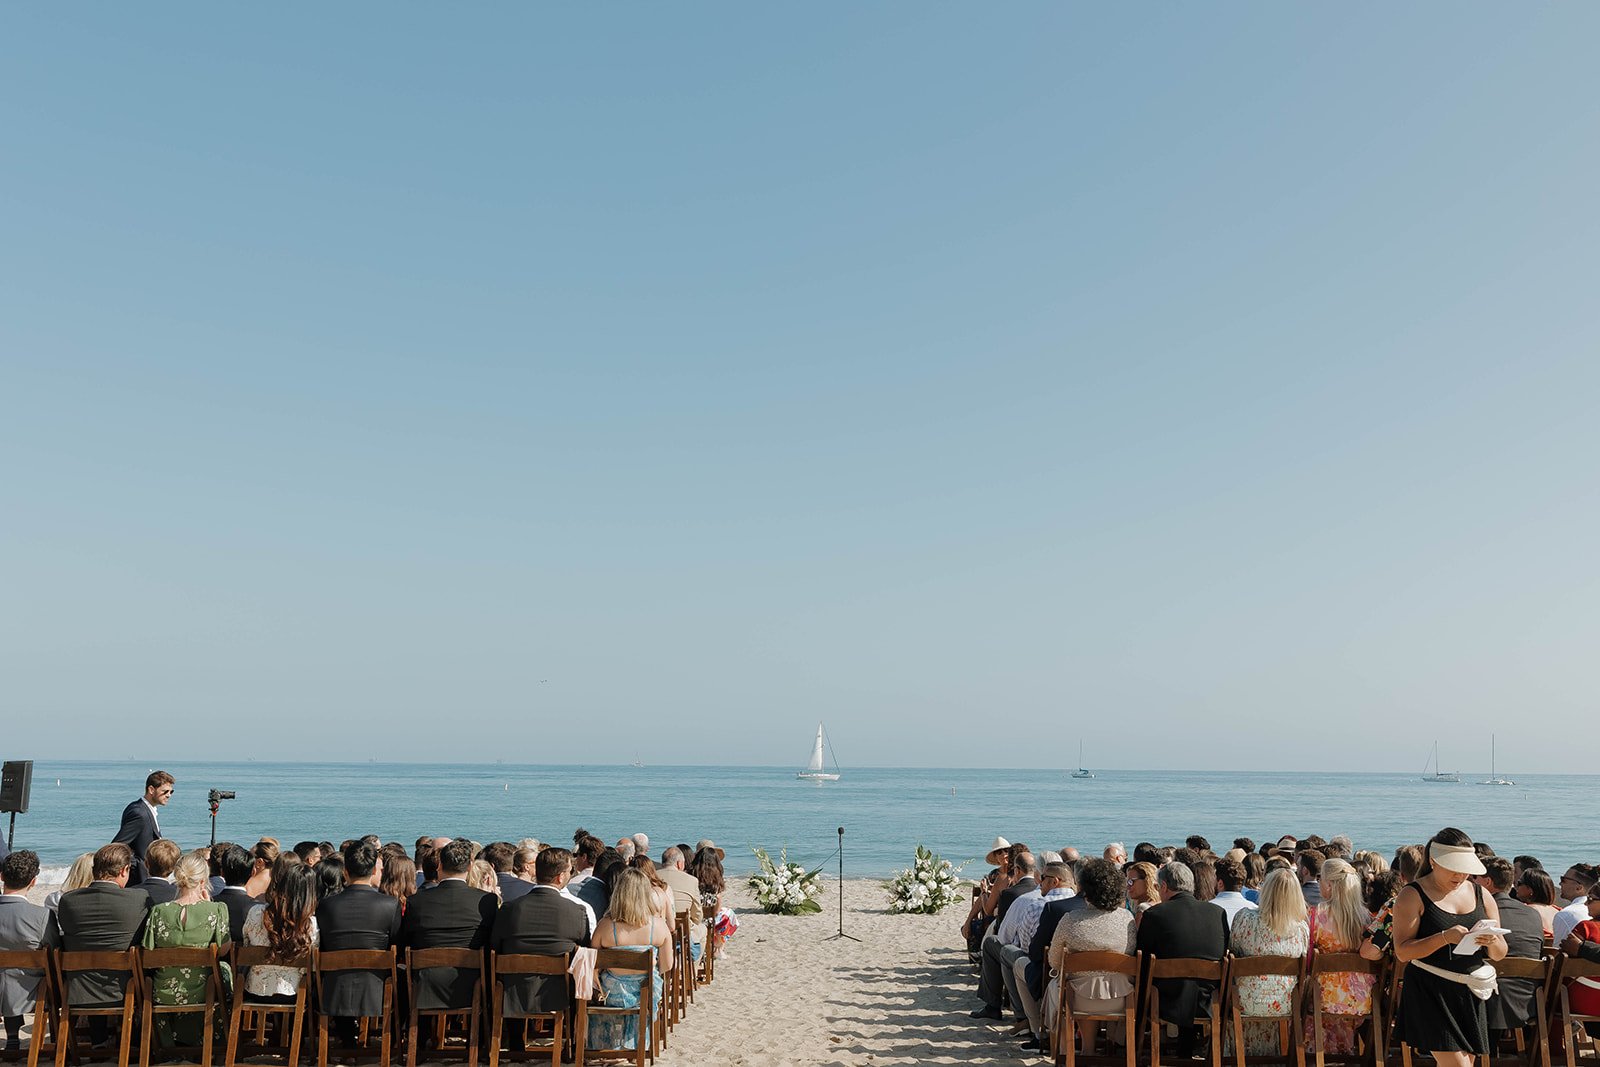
(362, 894)
(1293, 897)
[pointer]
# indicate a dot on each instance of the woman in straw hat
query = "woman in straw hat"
(1443, 1001)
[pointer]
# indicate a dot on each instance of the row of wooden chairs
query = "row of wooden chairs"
(1142, 1026)
(56, 1023)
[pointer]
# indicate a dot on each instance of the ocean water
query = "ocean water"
(886, 812)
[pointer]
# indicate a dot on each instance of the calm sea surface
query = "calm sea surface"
(885, 812)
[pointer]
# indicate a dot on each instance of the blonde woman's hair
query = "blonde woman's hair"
(631, 904)
(1283, 902)
(1147, 871)
(482, 876)
(1374, 861)
(1346, 911)
(81, 874)
(190, 872)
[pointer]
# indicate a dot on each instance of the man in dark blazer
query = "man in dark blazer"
(1181, 927)
(450, 915)
(140, 826)
(542, 922)
(103, 916)
(520, 882)
(358, 917)
(236, 866)
(1023, 867)
(1512, 1007)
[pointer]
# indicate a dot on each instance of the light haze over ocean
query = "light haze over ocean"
(1217, 385)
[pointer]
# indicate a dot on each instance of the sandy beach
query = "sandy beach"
(786, 995)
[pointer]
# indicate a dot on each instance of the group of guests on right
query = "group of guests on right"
(1286, 898)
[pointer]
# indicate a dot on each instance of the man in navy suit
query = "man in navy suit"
(139, 823)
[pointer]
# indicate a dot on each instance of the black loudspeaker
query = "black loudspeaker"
(16, 781)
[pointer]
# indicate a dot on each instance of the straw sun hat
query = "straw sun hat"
(1000, 845)
(706, 842)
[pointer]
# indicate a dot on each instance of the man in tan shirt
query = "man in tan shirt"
(685, 894)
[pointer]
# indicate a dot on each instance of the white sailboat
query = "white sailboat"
(1082, 771)
(1438, 775)
(1494, 779)
(814, 771)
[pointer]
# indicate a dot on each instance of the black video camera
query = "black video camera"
(217, 796)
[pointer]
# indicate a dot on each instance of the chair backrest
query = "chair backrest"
(356, 959)
(464, 959)
(1262, 966)
(1522, 967)
(622, 959)
(1344, 963)
(73, 962)
(530, 963)
(1204, 970)
(261, 956)
(197, 956)
(1101, 962)
(31, 959)
(1577, 967)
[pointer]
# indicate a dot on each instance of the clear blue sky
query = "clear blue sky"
(549, 383)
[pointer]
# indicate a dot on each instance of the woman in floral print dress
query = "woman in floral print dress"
(1277, 928)
(189, 921)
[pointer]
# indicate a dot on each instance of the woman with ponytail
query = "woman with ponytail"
(1339, 924)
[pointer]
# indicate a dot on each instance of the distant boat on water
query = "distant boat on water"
(1494, 779)
(637, 762)
(814, 771)
(1438, 775)
(1082, 771)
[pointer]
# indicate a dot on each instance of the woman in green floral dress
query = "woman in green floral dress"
(189, 921)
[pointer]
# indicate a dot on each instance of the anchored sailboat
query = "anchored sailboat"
(1082, 771)
(814, 771)
(1438, 775)
(1494, 779)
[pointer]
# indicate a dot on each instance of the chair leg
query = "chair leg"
(294, 1035)
(144, 1034)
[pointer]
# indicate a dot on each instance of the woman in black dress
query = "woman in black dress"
(1442, 1004)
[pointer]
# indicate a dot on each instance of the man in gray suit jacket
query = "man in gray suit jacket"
(103, 916)
(23, 925)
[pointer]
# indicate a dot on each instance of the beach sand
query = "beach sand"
(786, 995)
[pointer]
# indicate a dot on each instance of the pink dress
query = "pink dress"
(1343, 994)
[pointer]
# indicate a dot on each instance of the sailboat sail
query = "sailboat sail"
(814, 770)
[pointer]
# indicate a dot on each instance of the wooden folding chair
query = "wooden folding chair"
(708, 952)
(1572, 1027)
(379, 961)
(462, 959)
(154, 959)
(686, 989)
(45, 1020)
(1328, 963)
(67, 964)
(248, 1011)
(1539, 973)
(556, 968)
(1290, 1032)
(621, 961)
(1202, 970)
(1063, 1031)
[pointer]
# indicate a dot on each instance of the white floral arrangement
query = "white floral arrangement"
(785, 888)
(927, 887)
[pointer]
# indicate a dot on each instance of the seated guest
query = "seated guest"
(1181, 927)
(1100, 924)
(1512, 1006)
(234, 863)
(450, 915)
(1584, 943)
(625, 849)
(310, 853)
(189, 920)
(359, 917)
(708, 873)
(262, 857)
(1308, 863)
(1023, 880)
(103, 916)
(1255, 873)
(285, 925)
(1009, 940)
(330, 875)
(24, 926)
(159, 860)
(1575, 886)
(685, 896)
(629, 924)
(80, 874)
(1338, 924)
(502, 856)
(586, 851)
(660, 893)
(524, 874)
(541, 922)
(1278, 927)
(1143, 891)
(595, 890)
(1537, 891)
(1115, 853)
(1230, 888)
(399, 878)
(481, 875)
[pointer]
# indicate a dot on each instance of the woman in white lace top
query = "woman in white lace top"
(285, 924)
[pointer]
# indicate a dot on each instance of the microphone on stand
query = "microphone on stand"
(841, 933)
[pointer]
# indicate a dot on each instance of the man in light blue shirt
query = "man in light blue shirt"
(1230, 882)
(1010, 941)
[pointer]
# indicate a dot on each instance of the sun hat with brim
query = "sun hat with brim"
(1000, 845)
(705, 843)
(1049, 857)
(1462, 859)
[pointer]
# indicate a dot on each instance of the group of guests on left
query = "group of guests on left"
(214, 897)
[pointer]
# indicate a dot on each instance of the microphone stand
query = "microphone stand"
(841, 934)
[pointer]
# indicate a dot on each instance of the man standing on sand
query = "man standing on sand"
(140, 826)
